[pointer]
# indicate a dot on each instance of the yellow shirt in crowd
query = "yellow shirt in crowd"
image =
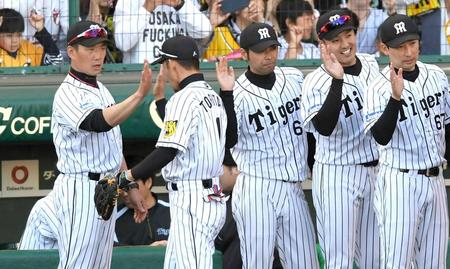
(27, 55)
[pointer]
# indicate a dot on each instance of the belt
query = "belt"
(207, 183)
(370, 164)
(92, 176)
(430, 172)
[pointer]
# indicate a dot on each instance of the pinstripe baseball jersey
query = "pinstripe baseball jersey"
(79, 150)
(272, 143)
(195, 123)
(347, 144)
(418, 141)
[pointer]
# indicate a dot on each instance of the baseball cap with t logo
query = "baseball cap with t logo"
(178, 48)
(398, 29)
(258, 36)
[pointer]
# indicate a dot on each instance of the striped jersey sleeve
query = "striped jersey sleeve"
(180, 121)
(315, 90)
(376, 99)
(74, 101)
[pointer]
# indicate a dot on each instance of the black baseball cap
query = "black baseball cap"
(258, 36)
(86, 33)
(398, 29)
(179, 48)
(334, 22)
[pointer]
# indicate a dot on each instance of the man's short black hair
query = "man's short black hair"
(289, 9)
(11, 22)
(189, 64)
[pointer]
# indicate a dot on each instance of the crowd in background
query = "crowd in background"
(33, 33)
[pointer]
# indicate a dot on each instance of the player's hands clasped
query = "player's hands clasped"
(396, 82)
(146, 80)
(330, 62)
(225, 74)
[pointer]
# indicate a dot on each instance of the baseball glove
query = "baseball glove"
(105, 197)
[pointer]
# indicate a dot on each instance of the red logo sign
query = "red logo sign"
(19, 177)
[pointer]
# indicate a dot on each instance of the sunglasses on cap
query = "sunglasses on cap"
(334, 23)
(90, 33)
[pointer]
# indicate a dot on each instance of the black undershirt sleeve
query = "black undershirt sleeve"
(384, 128)
(155, 161)
(228, 102)
(95, 122)
(326, 119)
(311, 149)
(447, 142)
(228, 159)
(161, 107)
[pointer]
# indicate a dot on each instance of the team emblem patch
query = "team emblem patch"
(170, 127)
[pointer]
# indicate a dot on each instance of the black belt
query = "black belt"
(207, 183)
(430, 172)
(370, 164)
(92, 176)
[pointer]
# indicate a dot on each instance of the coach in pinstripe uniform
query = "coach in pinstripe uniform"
(346, 159)
(270, 148)
(407, 110)
(88, 143)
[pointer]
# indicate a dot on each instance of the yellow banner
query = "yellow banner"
(421, 8)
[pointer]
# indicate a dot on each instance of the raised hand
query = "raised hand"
(37, 21)
(396, 82)
(217, 17)
(146, 80)
(330, 62)
(158, 89)
(225, 74)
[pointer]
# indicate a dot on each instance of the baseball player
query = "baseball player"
(190, 150)
(140, 27)
(88, 143)
(406, 110)
(346, 159)
(269, 146)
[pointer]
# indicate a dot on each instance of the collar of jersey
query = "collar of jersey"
(262, 81)
(190, 79)
(410, 75)
(355, 69)
(85, 78)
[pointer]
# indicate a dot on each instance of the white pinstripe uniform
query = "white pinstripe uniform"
(84, 240)
(195, 124)
(412, 208)
(42, 226)
(342, 187)
(268, 203)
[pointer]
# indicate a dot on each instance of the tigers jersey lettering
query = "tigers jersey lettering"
(265, 146)
(347, 144)
(418, 141)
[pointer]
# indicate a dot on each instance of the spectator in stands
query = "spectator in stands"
(228, 29)
(56, 17)
(296, 25)
(101, 12)
(141, 26)
(369, 20)
(154, 230)
(18, 52)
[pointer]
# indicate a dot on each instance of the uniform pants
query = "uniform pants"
(413, 217)
(85, 240)
(271, 213)
(195, 223)
(42, 226)
(346, 222)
